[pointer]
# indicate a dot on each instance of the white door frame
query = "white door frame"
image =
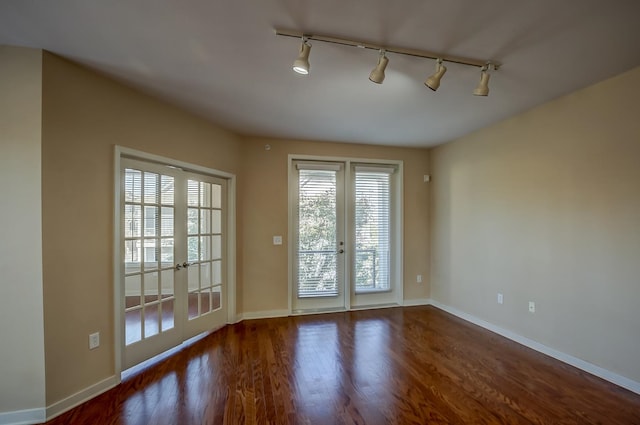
(397, 275)
(121, 151)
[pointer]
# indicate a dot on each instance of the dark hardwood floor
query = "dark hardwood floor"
(415, 365)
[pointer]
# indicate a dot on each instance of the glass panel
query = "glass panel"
(166, 252)
(192, 248)
(132, 256)
(205, 221)
(151, 287)
(192, 193)
(132, 291)
(373, 223)
(205, 194)
(166, 190)
(151, 188)
(205, 275)
(193, 305)
(317, 225)
(193, 278)
(167, 222)
(192, 221)
(167, 315)
(132, 221)
(216, 298)
(151, 222)
(205, 303)
(216, 221)
(216, 246)
(133, 326)
(216, 196)
(132, 185)
(205, 248)
(166, 283)
(216, 272)
(150, 254)
(151, 320)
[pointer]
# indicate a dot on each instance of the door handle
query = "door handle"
(340, 251)
(183, 265)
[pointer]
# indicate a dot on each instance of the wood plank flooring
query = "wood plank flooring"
(416, 365)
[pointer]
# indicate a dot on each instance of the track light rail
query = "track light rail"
(399, 50)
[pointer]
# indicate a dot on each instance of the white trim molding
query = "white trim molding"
(598, 371)
(23, 417)
(268, 314)
(416, 301)
(81, 396)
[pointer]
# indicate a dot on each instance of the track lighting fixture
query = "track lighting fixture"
(483, 86)
(433, 82)
(377, 75)
(301, 64)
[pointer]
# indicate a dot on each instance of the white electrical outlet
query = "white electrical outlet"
(277, 240)
(532, 307)
(94, 340)
(500, 298)
(419, 278)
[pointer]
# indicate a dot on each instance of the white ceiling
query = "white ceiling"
(221, 59)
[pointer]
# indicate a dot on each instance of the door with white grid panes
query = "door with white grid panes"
(205, 263)
(173, 238)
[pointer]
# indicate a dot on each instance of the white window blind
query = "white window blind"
(372, 228)
(317, 226)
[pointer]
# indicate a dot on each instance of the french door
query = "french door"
(319, 264)
(174, 266)
(346, 246)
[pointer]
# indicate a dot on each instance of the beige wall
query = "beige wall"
(546, 207)
(264, 214)
(84, 116)
(21, 323)
(541, 207)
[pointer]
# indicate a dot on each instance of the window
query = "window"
(372, 228)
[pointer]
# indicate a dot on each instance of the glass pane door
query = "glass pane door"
(173, 239)
(149, 210)
(373, 231)
(319, 241)
(206, 239)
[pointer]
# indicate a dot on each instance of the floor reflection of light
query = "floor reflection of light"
(317, 369)
(372, 367)
(198, 378)
(159, 399)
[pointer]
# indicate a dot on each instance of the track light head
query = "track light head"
(483, 86)
(433, 82)
(377, 75)
(301, 64)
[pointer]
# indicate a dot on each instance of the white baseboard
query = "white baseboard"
(598, 371)
(23, 417)
(268, 314)
(80, 397)
(416, 301)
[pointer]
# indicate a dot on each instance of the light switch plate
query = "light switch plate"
(94, 340)
(277, 240)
